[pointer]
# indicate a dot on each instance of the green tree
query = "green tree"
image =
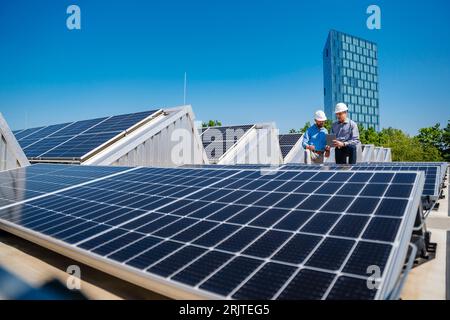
(431, 136)
(328, 124)
(368, 136)
(406, 148)
(446, 142)
(305, 127)
(212, 123)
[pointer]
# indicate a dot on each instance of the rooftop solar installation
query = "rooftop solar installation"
(433, 175)
(222, 233)
(442, 165)
(218, 140)
(287, 142)
(75, 140)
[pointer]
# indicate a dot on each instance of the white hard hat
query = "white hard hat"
(320, 116)
(340, 107)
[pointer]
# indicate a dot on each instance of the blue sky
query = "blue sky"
(247, 61)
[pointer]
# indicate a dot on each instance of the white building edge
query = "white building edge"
(296, 154)
(11, 154)
(258, 145)
(169, 139)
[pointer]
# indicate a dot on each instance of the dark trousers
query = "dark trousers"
(342, 154)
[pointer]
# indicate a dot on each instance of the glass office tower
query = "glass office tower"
(350, 74)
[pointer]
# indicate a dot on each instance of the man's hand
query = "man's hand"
(338, 144)
(311, 147)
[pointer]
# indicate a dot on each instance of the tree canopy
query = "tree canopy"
(430, 144)
(212, 123)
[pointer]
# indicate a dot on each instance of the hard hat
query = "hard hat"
(340, 107)
(320, 116)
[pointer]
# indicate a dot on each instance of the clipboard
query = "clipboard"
(330, 138)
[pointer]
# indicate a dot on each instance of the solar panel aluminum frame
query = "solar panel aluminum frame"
(146, 280)
(396, 262)
(177, 290)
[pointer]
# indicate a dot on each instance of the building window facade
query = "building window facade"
(351, 76)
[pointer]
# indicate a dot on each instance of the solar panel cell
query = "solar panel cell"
(266, 245)
(176, 261)
(231, 275)
(307, 285)
(367, 254)
(201, 268)
(330, 254)
(382, 229)
(350, 226)
(297, 249)
(266, 282)
(349, 288)
(320, 223)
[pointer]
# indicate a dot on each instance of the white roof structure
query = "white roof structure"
(161, 137)
(291, 147)
(387, 155)
(367, 152)
(171, 139)
(371, 153)
(243, 144)
(11, 154)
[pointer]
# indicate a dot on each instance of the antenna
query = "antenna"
(185, 84)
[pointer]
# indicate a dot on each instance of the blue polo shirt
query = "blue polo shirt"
(315, 137)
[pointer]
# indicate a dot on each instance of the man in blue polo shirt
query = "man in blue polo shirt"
(315, 139)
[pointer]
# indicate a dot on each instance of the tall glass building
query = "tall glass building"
(350, 73)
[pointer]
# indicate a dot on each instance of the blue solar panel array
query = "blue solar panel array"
(229, 233)
(74, 140)
(433, 171)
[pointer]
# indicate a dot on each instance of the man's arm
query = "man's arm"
(354, 139)
(305, 141)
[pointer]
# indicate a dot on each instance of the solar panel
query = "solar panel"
(442, 165)
(22, 134)
(287, 142)
(74, 140)
(218, 140)
(48, 131)
(433, 175)
(226, 233)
